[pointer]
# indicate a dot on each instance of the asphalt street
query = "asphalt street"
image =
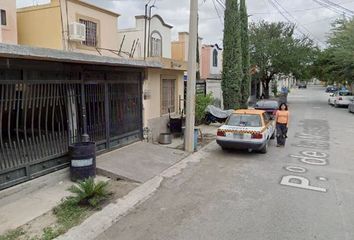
(301, 192)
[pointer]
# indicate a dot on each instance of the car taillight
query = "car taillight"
(340, 98)
(221, 133)
(257, 136)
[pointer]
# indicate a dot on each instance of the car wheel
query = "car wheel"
(335, 105)
(264, 149)
(223, 148)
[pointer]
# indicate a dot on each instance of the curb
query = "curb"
(99, 222)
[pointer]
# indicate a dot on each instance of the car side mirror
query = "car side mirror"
(331, 95)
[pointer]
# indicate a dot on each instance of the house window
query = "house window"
(91, 33)
(156, 44)
(215, 58)
(3, 17)
(168, 96)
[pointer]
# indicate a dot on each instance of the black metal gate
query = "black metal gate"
(42, 112)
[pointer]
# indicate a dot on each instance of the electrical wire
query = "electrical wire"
(279, 8)
(333, 9)
(217, 12)
(222, 4)
(338, 6)
(300, 24)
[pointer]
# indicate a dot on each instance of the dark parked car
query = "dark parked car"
(331, 89)
(270, 106)
(351, 106)
(302, 85)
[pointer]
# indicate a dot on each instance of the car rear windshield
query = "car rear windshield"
(345, 94)
(244, 120)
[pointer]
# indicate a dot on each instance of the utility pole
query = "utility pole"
(149, 32)
(192, 66)
(145, 17)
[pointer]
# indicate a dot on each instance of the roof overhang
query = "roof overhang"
(45, 54)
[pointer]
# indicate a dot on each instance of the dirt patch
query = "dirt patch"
(120, 188)
(34, 230)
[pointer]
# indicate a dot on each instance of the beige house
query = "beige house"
(180, 47)
(71, 25)
(77, 26)
(163, 89)
(8, 22)
(156, 36)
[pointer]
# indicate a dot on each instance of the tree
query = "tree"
(246, 81)
(275, 50)
(339, 55)
(232, 57)
(335, 64)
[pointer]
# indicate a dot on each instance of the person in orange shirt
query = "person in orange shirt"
(282, 124)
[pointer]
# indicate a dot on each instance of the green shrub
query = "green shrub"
(13, 234)
(89, 193)
(49, 234)
(69, 214)
(275, 88)
(201, 102)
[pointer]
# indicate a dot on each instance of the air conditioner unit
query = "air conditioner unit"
(77, 32)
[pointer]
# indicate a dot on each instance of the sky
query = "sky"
(311, 18)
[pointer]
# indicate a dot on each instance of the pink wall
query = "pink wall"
(205, 62)
(9, 32)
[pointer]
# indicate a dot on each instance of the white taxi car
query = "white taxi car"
(247, 129)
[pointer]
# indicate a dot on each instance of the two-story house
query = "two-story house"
(71, 25)
(68, 84)
(8, 22)
(163, 89)
(211, 70)
(180, 47)
(211, 62)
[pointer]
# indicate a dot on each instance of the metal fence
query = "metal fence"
(42, 113)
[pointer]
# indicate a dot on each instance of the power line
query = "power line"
(284, 16)
(278, 6)
(326, 5)
(338, 6)
(217, 12)
(305, 28)
(222, 4)
(294, 10)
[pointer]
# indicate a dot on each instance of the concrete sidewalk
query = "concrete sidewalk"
(138, 162)
(23, 203)
(142, 161)
(96, 224)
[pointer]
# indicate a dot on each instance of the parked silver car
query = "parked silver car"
(340, 98)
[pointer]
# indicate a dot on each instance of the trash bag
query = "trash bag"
(218, 112)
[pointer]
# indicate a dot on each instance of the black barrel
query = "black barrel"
(83, 160)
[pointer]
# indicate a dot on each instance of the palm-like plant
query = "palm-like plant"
(88, 192)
